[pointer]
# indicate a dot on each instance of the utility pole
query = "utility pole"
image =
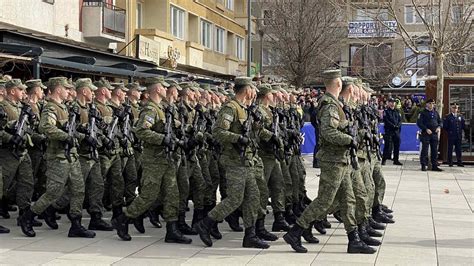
(249, 35)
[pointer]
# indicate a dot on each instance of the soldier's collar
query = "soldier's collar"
(53, 101)
(80, 104)
(237, 101)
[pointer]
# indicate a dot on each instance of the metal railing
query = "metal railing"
(113, 17)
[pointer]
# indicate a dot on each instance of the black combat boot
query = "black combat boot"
(296, 209)
(308, 235)
(356, 245)
(4, 208)
(338, 216)
(138, 223)
(371, 231)
(385, 208)
(375, 225)
(262, 232)
(174, 235)
(183, 226)
(233, 221)
(379, 216)
(214, 229)
(116, 211)
(306, 199)
(326, 223)
(98, 224)
(280, 224)
(4, 230)
(26, 222)
(203, 228)
(290, 217)
(77, 230)
(319, 226)
(35, 222)
(120, 223)
(154, 216)
(251, 240)
(49, 216)
(198, 215)
(293, 237)
(364, 236)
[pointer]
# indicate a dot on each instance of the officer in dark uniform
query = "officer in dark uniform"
(430, 124)
(454, 125)
(392, 125)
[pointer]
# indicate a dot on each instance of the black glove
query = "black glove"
(120, 113)
(109, 144)
(243, 140)
(94, 113)
(275, 140)
(353, 144)
(192, 143)
(16, 140)
(69, 141)
(91, 141)
(167, 140)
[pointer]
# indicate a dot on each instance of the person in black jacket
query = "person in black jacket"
(454, 125)
(392, 125)
(430, 124)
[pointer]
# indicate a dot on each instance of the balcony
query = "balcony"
(103, 22)
(372, 29)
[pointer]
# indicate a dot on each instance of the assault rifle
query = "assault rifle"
(70, 127)
(169, 116)
(22, 128)
(353, 133)
(92, 130)
(127, 136)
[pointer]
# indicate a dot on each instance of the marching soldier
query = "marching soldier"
(64, 169)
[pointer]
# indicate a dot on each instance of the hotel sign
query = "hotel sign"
(148, 49)
(372, 29)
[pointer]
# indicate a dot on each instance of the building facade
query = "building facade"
(201, 36)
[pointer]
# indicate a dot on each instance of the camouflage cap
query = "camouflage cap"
(276, 87)
(214, 88)
(135, 86)
(103, 83)
(59, 81)
(264, 89)
(119, 85)
(331, 74)
(2, 83)
(32, 83)
(186, 85)
(15, 83)
(243, 81)
(347, 81)
(174, 83)
(156, 80)
(85, 83)
(205, 87)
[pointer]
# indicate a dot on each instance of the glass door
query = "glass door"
(463, 95)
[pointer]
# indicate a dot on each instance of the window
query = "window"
(177, 22)
(239, 51)
(370, 61)
(229, 4)
(429, 13)
(219, 46)
(139, 15)
(456, 13)
(371, 14)
(206, 32)
(423, 61)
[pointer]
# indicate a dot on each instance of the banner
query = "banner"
(410, 142)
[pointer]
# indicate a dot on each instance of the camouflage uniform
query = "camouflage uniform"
(242, 188)
(17, 170)
(335, 182)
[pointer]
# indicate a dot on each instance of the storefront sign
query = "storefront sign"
(148, 49)
(372, 29)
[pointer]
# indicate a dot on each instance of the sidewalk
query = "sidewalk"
(434, 225)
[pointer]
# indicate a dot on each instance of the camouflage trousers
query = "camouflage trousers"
(366, 171)
(158, 181)
(203, 156)
(379, 182)
(295, 173)
(334, 185)
(190, 180)
(111, 169)
(242, 190)
(258, 170)
(360, 191)
(38, 164)
(17, 178)
(129, 175)
(275, 183)
(93, 187)
(62, 177)
(216, 173)
(288, 189)
(302, 175)
(1, 182)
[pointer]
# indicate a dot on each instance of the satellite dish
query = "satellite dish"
(397, 81)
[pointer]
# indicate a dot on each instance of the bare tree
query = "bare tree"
(304, 36)
(447, 35)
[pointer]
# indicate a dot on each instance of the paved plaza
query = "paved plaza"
(434, 225)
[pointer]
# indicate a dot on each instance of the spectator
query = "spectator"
(392, 123)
